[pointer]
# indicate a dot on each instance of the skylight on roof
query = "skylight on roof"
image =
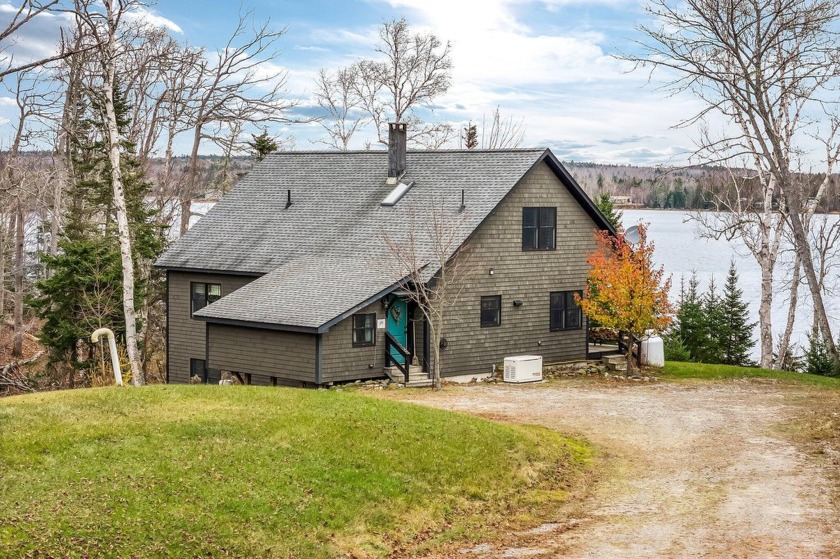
(396, 194)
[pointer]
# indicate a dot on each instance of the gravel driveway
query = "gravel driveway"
(696, 470)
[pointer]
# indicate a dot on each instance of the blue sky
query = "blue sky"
(547, 62)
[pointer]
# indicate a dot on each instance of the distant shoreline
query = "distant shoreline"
(685, 210)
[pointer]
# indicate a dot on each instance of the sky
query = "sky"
(549, 63)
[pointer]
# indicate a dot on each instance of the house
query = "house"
(283, 282)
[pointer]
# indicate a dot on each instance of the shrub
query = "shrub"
(818, 360)
(675, 349)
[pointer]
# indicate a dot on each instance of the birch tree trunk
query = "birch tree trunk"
(109, 61)
(17, 347)
(186, 196)
(765, 320)
(3, 235)
(803, 253)
(784, 342)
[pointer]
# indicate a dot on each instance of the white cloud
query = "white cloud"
(571, 93)
(153, 19)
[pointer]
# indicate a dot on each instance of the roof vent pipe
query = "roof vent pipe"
(288, 198)
(463, 204)
(397, 137)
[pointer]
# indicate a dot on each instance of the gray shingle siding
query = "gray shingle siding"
(263, 354)
(186, 336)
(526, 275)
(342, 361)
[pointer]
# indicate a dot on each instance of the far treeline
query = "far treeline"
(690, 188)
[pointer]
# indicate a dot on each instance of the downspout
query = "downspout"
(426, 346)
(318, 353)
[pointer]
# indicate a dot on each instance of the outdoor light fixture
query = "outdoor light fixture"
(492, 271)
(517, 302)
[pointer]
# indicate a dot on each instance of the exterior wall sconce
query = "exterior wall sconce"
(492, 271)
(518, 303)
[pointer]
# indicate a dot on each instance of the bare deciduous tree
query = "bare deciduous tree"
(25, 13)
(178, 79)
(764, 67)
(336, 94)
(411, 71)
(19, 183)
(236, 86)
(434, 264)
(503, 133)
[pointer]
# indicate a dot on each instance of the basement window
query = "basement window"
(198, 368)
(396, 195)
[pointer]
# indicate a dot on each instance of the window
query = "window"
(198, 368)
(364, 329)
(538, 228)
(202, 294)
(565, 313)
(491, 311)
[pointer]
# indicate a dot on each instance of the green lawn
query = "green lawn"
(681, 370)
(192, 471)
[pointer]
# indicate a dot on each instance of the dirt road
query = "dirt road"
(691, 471)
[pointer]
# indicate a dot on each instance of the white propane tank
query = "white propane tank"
(653, 351)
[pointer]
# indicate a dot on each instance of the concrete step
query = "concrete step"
(415, 375)
(614, 359)
(419, 383)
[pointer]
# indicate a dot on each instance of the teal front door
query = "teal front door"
(398, 326)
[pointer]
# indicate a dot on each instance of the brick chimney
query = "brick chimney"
(397, 137)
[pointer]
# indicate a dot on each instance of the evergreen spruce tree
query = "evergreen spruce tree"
(605, 204)
(263, 145)
(818, 360)
(84, 290)
(713, 318)
(471, 136)
(691, 324)
(733, 332)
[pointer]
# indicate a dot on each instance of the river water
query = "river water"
(680, 250)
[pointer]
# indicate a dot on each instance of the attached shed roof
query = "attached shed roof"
(304, 294)
(326, 254)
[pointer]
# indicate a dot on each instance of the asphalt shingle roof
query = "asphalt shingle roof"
(326, 253)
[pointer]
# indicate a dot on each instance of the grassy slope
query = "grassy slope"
(682, 370)
(245, 471)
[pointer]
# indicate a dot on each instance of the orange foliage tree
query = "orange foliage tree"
(625, 291)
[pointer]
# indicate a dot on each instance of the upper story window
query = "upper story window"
(538, 228)
(491, 311)
(202, 294)
(565, 313)
(364, 329)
